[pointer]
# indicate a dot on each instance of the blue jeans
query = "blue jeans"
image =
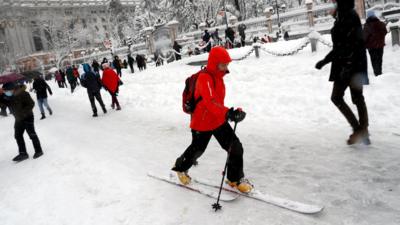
(43, 101)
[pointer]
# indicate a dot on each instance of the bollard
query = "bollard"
(257, 50)
(395, 35)
(313, 42)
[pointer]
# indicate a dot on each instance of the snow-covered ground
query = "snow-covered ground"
(94, 169)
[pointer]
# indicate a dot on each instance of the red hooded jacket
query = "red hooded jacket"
(110, 80)
(210, 112)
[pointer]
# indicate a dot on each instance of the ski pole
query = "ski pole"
(216, 205)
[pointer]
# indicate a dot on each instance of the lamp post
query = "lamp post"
(279, 20)
(226, 16)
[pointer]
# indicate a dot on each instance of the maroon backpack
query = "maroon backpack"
(188, 100)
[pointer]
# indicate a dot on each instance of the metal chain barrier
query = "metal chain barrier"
(246, 55)
(295, 51)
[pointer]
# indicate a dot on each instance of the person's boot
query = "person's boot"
(50, 112)
(243, 185)
(118, 107)
(94, 114)
(21, 157)
(104, 109)
(184, 178)
(37, 154)
(359, 136)
(43, 116)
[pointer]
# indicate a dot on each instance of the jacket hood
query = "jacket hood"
(86, 68)
(217, 55)
(345, 5)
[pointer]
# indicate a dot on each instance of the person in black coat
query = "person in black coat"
(131, 61)
(349, 68)
(242, 28)
(230, 37)
(206, 39)
(21, 103)
(41, 87)
(374, 34)
(96, 66)
(117, 65)
(92, 83)
(177, 47)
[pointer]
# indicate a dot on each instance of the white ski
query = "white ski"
(195, 186)
(277, 201)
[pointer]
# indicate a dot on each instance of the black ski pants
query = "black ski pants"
(97, 96)
(19, 129)
(376, 55)
(356, 90)
(226, 138)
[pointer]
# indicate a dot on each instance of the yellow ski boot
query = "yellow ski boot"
(243, 185)
(184, 178)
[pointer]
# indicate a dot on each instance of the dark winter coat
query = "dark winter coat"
(70, 75)
(90, 80)
(177, 47)
(348, 56)
(242, 27)
(41, 88)
(230, 33)
(20, 103)
(96, 66)
(131, 60)
(374, 33)
(117, 64)
(206, 36)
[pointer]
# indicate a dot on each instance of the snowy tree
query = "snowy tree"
(63, 35)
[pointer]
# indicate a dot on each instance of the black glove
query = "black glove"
(320, 64)
(235, 115)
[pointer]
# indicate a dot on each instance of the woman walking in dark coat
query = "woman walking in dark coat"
(41, 87)
(349, 68)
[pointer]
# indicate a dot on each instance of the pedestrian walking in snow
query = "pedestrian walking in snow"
(230, 37)
(210, 118)
(117, 65)
(374, 34)
(177, 47)
(111, 82)
(215, 36)
(64, 83)
(93, 84)
(41, 87)
(71, 78)
(349, 68)
(96, 66)
(206, 39)
(76, 74)
(58, 78)
(131, 61)
(21, 103)
(242, 28)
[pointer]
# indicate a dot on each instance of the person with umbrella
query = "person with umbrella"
(22, 104)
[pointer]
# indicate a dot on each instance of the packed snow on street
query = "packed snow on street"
(94, 170)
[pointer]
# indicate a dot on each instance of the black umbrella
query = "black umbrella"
(31, 74)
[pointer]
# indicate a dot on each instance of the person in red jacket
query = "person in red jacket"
(111, 82)
(210, 118)
(374, 34)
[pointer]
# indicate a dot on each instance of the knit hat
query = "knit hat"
(9, 86)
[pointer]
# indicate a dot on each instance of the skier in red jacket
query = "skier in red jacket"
(210, 118)
(111, 82)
